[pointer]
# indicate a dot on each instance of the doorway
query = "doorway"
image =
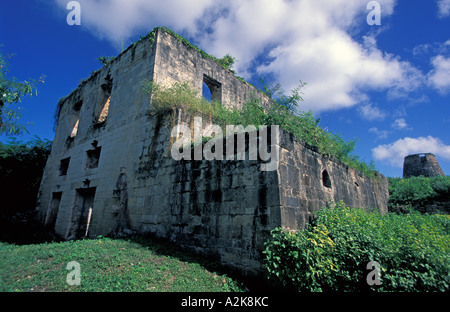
(82, 212)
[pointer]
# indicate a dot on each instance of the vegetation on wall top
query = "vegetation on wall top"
(302, 124)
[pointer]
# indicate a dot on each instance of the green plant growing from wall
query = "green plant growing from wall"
(283, 112)
(105, 60)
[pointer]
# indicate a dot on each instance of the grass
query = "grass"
(109, 265)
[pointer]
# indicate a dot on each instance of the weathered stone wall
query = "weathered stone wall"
(120, 138)
(309, 181)
(177, 62)
(223, 209)
(111, 172)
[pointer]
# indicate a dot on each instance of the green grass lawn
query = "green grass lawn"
(108, 265)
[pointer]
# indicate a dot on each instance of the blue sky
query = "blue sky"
(387, 85)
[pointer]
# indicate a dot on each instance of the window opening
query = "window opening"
(326, 181)
(206, 92)
(64, 166)
(106, 99)
(93, 157)
(75, 118)
(213, 87)
(52, 212)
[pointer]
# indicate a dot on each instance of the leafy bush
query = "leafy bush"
(21, 168)
(332, 254)
(417, 190)
(302, 124)
(300, 260)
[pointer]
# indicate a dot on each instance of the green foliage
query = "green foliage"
(302, 124)
(301, 260)
(417, 190)
(332, 254)
(107, 265)
(11, 92)
(227, 61)
(21, 168)
(105, 60)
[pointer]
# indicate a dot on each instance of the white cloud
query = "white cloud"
(395, 152)
(302, 39)
(401, 124)
(444, 8)
(381, 134)
(118, 20)
(371, 113)
(311, 41)
(439, 77)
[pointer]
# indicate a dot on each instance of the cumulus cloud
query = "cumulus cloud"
(370, 112)
(443, 8)
(381, 134)
(296, 40)
(439, 77)
(118, 20)
(401, 124)
(395, 152)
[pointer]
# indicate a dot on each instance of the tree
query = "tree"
(21, 168)
(11, 92)
(227, 61)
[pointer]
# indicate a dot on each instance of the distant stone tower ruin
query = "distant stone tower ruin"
(421, 165)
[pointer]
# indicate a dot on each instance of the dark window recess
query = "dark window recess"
(212, 89)
(93, 156)
(77, 106)
(326, 181)
(64, 166)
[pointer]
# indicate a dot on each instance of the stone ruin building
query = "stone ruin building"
(421, 165)
(110, 173)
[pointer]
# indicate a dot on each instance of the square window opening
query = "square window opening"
(64, 166)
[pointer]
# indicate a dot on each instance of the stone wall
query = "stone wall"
(118, 138)
(177, 62)
(309, 181)
(110, 171)
(223, 209)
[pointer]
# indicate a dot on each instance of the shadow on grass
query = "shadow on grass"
(164, 247)
(21, 229)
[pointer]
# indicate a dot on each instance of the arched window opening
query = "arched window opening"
(326, 181)
(213, 87)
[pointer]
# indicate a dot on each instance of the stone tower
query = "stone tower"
(421, 164)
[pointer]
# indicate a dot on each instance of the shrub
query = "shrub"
(413, 251)
(417, 190)
(21, 168)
